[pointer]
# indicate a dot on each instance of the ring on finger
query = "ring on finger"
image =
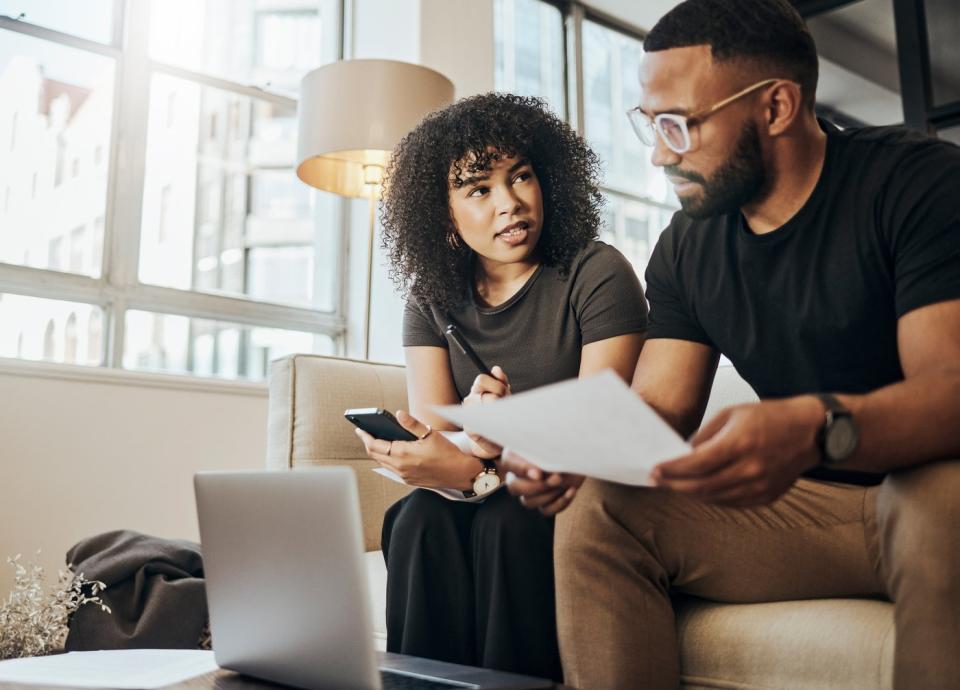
(429, 431)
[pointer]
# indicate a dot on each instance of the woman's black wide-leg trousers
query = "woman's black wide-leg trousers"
(471, 583)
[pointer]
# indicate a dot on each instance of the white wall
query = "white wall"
(83, 453)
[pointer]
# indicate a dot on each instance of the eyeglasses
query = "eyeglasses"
(673, 128)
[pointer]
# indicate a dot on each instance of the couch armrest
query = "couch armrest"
(306, 427)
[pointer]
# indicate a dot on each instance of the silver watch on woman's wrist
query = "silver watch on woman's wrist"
(487, 480)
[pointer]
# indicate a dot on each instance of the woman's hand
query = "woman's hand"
(487, 389)
(431, 462)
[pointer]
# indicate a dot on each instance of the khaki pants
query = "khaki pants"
(620, 551)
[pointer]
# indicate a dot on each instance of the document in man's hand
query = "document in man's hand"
(594, 426)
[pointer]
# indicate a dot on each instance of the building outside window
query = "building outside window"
(639, 200)
(217, 112)
(529, 51)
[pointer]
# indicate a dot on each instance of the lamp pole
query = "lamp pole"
(350, 115)
(372, 179)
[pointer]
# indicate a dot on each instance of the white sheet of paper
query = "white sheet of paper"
(594, 426)
(121, 668)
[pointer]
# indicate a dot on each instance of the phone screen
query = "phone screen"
(379, 424)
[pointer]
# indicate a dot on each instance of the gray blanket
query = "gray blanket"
(153, 586)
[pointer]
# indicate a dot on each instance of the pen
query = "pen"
(454, 334)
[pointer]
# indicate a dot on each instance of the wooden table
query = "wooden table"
(215, 680)
(228, 680)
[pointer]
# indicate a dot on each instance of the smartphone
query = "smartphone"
(378, 423)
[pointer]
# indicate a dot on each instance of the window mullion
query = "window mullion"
(575, 95)
(125, 192)
(54, 36)
(222, 84)
(202, 305)
(41, 282)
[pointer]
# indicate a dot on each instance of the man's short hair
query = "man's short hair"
(766, 32)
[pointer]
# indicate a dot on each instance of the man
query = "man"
(825, 265)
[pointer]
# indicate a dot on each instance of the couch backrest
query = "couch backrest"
(306, 427)
(308, 394)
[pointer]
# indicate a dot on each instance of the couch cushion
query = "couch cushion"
(803, 645)
(823, 643)
(377, 580)
(728, 389)
(308, 394)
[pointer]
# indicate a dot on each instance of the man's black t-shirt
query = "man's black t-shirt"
(813, 306)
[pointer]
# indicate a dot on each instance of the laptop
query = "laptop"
(287, 587)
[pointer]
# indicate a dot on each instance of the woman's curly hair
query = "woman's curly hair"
(465, 138)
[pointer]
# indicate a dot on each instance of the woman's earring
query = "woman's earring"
(453, 239)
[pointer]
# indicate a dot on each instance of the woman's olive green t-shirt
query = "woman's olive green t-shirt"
(537, 335)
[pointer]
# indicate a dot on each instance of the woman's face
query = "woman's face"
(498, 213)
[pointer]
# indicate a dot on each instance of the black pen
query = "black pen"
(454, 334)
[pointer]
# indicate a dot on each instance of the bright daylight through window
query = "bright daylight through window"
(153, 220)
(529, 39)
(150, 217)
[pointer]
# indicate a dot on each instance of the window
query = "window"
(91, 19)
(166, 342)
(529, 51)
(529, 60)
(218, 257)
(31, 328)
(639, 198)
(950, 134)
(63, 98)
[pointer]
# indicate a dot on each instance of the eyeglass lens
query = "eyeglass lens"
(673, 131)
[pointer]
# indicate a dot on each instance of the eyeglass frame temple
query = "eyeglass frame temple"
(716, 106)
(700, 114)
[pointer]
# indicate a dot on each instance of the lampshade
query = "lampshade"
(353, 112)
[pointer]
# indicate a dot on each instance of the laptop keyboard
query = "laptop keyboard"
(398, 681)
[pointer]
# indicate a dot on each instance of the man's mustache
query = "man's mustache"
(673, 171)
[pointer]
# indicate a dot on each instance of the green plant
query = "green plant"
(33, 622)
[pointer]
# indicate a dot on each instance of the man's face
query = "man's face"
(724, 170)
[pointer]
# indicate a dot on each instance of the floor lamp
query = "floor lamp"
(351, 114)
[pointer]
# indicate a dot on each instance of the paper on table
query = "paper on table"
(121, 668)
(449, 494)
(594, 426)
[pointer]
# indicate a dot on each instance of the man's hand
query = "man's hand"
(748, 455)
(433, 462)
(549, 493)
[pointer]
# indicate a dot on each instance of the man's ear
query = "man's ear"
(784, 104)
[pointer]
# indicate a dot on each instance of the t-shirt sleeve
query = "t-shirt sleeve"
(607, 296)
(923, 226)
(419, 327)
(670, 314)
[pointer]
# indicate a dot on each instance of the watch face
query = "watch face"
(841, 439)
(486, 483)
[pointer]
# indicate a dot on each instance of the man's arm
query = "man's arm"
(918, 419)
(751, 454)
(674, 377)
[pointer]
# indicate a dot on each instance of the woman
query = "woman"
(490, 218)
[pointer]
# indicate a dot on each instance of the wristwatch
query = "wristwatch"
(839, 435)
(487, 481)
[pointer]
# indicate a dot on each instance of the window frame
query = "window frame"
(118, 288)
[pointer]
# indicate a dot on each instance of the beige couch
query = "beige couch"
(836, 644)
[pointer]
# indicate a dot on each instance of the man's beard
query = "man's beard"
(736, 183)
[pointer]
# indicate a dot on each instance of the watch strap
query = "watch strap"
(834, 406)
